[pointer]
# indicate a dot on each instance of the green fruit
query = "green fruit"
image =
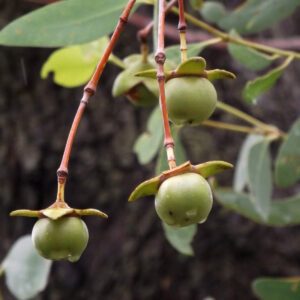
(64, 238)
(190, 100)
(140, 91)
(183, 200)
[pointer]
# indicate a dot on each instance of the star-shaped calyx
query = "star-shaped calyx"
(151, 186)
(58, 209)
(194, 66)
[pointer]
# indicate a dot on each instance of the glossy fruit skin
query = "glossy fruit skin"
(190, 100)
(183, 200)
(64, 238)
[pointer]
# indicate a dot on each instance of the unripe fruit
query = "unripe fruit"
(64, 238)
(140, 91)
(183, 200)
(190, 99)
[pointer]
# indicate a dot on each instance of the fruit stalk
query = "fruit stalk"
(241, 115)
(89, 91)
(182, 31)
(160, 58)
(231, 127)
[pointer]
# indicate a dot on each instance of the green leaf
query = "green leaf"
(213, 11)
(26, 273)
(260, 177)
(277, 288)
(283, 212)
(63, 23)
(148, 143)
(287, 165)
(260, 85)
(248, 57)
(239, 203)
(241, 167)
(173, 52)
(181, 238)
(256, 15)
(73, 66)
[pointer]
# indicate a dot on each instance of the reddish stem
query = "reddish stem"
(160, 58)
(90, 90)
(182, 24)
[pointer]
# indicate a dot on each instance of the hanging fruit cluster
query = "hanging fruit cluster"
(186, 95)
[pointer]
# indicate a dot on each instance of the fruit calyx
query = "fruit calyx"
(195, 67)
(151, 186)
(57, 210)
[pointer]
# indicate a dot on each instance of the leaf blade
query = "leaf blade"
(148, 143)
(277, 288)
(248, 57)
(26, 273)
(287, 170)
(260, 177)
(262, 84)
(73, 66)
(181, 238)
(63, 23)
(240, 179)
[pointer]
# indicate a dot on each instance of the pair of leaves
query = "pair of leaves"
(253, 169)
(277, 288)
(251, 17)
(65, 23)
(26, 272)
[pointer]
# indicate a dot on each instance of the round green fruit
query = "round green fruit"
(140, 91)
(190, 100)
(183, 200)
(64, 238)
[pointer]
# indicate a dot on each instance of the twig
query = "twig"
(89, 91)
(241, 115)
(160, 58)
(236, 40)
(192, 36)
(231, 127)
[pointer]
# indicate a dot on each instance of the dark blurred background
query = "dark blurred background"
(128, 256)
